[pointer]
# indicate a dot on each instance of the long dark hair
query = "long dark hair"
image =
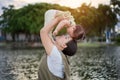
(71, 48)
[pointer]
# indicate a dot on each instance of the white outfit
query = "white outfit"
(49, 15)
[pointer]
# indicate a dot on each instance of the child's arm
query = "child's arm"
(61, 24)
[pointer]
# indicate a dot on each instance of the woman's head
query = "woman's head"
(69, 45)
(62, 40)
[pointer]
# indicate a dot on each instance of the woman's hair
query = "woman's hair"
(71, 48)
(78, 33)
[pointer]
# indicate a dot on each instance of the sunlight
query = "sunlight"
(70, 3)
(77, 3)
(73, 4)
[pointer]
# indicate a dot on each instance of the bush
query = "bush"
(117, 39)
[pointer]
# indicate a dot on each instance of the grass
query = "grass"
(94, 44)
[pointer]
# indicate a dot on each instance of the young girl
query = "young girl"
(68, 21)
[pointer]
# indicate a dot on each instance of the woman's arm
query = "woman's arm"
(44, 34)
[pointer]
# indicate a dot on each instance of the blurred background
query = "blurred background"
(98, 56)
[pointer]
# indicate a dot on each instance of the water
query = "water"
(19, 64)
(100, 63)
(89, 63)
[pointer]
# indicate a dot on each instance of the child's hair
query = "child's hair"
(78, 33)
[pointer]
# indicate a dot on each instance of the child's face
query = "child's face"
(70, 30)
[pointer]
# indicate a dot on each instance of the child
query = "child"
(68, 22)
(51, 14)
(75, 31)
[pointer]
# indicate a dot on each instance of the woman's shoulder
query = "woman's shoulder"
(55, 51)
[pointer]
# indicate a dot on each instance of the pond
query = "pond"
(89, 63)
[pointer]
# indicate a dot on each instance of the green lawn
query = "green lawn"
(91, 44)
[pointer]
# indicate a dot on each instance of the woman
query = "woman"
(54, 64)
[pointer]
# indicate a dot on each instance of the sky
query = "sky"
(68, 3)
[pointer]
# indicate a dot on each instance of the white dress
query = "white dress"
(49, 15)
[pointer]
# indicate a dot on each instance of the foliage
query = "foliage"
(95, 20)
(115, 5)
(30, 19)
(117, 39)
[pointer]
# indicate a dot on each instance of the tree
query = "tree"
(109, 17)
(115, 5)
(87, 16)
(30, 19)
(6, 17)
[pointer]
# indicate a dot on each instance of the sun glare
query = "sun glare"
(70, 3)
(77, 3)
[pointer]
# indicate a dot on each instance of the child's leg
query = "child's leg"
(49, 16)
